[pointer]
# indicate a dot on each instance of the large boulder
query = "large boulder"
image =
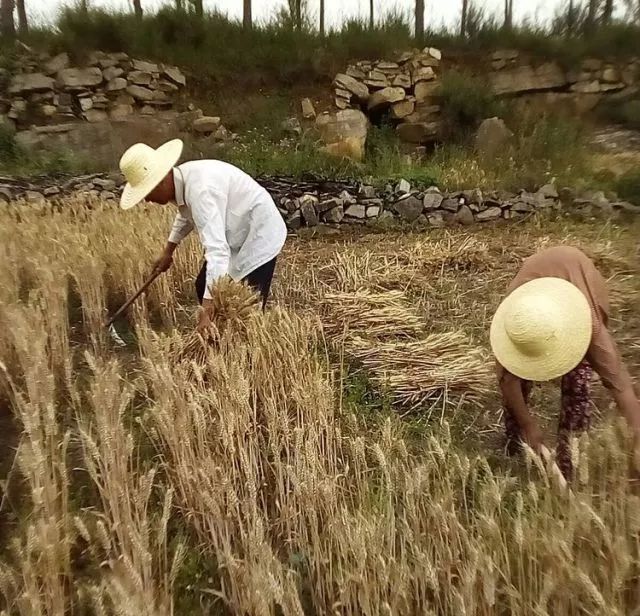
(30, 82)
(73, 78)
(492, 137)
(175, 75)
(418, 132)
(385, 97)
(548, 76)
(344, 133)
(140, 93)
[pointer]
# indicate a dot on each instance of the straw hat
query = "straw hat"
(542, 330)
(144, 168)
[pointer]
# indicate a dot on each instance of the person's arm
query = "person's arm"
(514, 402)
(605, 359)
(182, 226)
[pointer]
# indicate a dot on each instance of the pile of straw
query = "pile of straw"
(233, 306)
(380, 315)
(417, 371)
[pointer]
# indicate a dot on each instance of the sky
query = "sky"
(437, 12)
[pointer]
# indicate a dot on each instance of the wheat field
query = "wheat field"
(340, 454)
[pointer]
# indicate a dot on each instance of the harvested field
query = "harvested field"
(340, 454)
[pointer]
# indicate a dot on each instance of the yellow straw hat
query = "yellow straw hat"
(144, 168)
(542, 330)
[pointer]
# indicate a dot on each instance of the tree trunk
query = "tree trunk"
(371, 15)
(508, 14)
(137, 8)
(591, 15)
(322, 18)
(607, 12)
(571, 17)
(420, 21)
(23, 24)
(247, 18)
(463, 20)
(7, 25)
(198, 7)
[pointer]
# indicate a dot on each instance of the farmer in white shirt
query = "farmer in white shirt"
(237, 221)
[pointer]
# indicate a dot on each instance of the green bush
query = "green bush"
(465, 102)
(628, 187)
(9, 150)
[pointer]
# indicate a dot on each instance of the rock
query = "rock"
(341, 103)
(432, 201)
(328, 204)
(148, 67)
(612, 87)
(491, 213)
(591, 64)
(409, 208)
(492, 138)
(424, 73)
(33, 196)
(140, 93)
(222, 134)
(99, 101)
(292, 127)
(57, 63)
(436, 219)
(423, 113)
(120, 111)
(140, 78)
(74, 78)
(96, 115)
(105, 184)
(345, 133)
(586, 87)
(48, 111)
(30, 82)
(451, 205)
(166, 86)
(373, 211)
(611, 75)
(347, 198)
(426, 89)
(356, 73)
(418, 132)
(86, 104)
(522, 208)
(464, 216)
(51, 191)
(401, 81)
(402, 109)
(433, 52)
(356, 211)
(403, 187)
(107, 195)
(548, 191)
(334, 215)
(387, 66)
(526, 78)
(308, 210)
(358, 89)
(498, 65)
(308, 110)
(111, 73)
(385, 97)
(294, 222)
(175, 75)
(508, 55)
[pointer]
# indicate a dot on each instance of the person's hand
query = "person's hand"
(204, 322)
(163, 263)
(533, 438)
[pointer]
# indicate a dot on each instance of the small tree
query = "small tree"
(371, 15)
(592, 14)
(607, 12)
(198, 7)
(321, 17)
(247, 18)
(7, 24)
(419, 20)
(508, 14)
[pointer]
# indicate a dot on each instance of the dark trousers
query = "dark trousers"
(259, 279)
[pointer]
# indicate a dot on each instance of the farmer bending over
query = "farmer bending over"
(238, 223)
(553, 323)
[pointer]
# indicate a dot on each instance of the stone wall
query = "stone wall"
(332, 204)
(45, 90)
(404, 91)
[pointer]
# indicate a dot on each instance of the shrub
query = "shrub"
(628, 186)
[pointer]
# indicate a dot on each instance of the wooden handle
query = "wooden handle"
(132, 299)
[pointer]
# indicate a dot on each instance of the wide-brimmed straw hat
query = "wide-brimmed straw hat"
(542, 330)
(144, 168)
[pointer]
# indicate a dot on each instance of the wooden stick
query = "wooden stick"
(132, 299)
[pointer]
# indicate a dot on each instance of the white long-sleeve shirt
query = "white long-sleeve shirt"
(236, 219)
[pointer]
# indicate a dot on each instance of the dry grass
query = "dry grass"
(252, 481)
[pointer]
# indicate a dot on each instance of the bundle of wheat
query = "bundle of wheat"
(233, 305)
(416, 371)
(374, 315)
